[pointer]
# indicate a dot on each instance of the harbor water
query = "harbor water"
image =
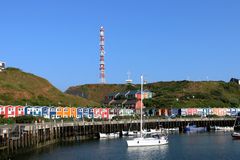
(195, 146)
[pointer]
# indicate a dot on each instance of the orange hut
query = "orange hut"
(73, 112)
(66, 112)
(59, 112)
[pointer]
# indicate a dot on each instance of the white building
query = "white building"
(235, 80)
(2, 66)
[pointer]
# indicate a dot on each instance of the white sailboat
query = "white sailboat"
(146, 139)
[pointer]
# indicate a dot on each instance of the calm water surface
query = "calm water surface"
(195, 146)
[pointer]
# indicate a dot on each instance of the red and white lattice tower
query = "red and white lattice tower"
(102, 53)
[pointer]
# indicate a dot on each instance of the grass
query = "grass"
(19, 88)
(172, 94)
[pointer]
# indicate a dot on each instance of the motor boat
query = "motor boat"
(194, 128)
(125, 133)
(109, 135)
(236, 135)
(218, 128)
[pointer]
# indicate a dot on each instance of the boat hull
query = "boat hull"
(218, 128)
(236, 135)
(194, 128)
(138, 142)
(108, 135)
(199, 129)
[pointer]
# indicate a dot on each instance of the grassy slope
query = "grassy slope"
(199, 94)
(97, 92)
(19, 88)
(173, 94)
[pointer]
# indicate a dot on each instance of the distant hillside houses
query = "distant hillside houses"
(235, 80)
(2, 66)
(129, 99)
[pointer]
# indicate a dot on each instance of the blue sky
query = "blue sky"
(164, 40)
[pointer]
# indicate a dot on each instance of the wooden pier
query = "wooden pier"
(14, 138)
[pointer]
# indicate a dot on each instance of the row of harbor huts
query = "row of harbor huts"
(196, 112)
(108, 113)
(63, 112)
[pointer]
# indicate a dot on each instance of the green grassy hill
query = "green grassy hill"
(19, 88)
(195, 94)
(172, 94)
(96, 92)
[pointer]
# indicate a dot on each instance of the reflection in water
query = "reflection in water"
(155, 152)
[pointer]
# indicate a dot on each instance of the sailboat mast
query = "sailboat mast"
(141, 123)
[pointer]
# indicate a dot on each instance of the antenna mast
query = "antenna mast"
(102, 53)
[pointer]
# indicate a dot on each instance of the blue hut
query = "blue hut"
(91, 113)
(37, 111)
(28, 110)
(88, 113)
(46, 112)
(52, 112)
(79, 113)
(85, 112)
